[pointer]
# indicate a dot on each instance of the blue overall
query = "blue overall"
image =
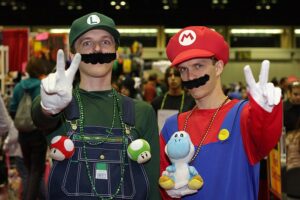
(224, 165)
(70, 179)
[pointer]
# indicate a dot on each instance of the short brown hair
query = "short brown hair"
(36, 67)
(295, 84)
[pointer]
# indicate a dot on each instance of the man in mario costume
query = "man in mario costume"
(230, 136)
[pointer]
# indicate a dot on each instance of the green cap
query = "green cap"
(93, 21)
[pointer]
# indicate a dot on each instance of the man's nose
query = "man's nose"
(97, 47)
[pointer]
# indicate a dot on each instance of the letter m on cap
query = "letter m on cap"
(187, 37)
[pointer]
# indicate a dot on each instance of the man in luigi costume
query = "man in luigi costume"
(100, 122)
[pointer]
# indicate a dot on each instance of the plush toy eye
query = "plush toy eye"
(181, 135)
(176, 135)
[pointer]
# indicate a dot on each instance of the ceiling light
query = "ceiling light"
(59, 30)
(268, 7)
(256, 31)
(71, 4)
(137, 30)
(219, 4)
(3, 3)
(120, 4)
(225, 1)
(166, 7)
(297, 31)
(121, 30)
(265, 4)
(172, 30)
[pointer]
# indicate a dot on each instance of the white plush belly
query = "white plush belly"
(181, 176)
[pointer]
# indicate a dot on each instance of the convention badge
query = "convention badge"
(223, 134)
(162, 115)
(101, 171)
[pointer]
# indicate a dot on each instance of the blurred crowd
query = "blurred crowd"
(162, 92)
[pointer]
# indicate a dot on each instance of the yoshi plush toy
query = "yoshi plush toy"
(180, 178)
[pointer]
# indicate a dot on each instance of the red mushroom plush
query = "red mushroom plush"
(61, 148)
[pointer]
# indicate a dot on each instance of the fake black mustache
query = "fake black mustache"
(196, 82)
(101, 58)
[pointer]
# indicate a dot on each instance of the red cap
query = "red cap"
(292, 78)
(197, 42)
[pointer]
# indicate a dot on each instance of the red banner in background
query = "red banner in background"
(17, 40)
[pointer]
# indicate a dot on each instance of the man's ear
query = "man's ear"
(219, 67)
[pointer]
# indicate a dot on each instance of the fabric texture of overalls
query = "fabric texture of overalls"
(99, 162)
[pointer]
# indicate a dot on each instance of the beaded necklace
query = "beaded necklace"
(124, 140)
(208, 127)
(181, 104)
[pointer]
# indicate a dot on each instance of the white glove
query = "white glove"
(56, 88)
(265, 94)
(6, 145)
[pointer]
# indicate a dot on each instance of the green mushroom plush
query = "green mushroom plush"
(139, 150)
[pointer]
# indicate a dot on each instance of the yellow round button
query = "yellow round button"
(223, 134)
(102, 157)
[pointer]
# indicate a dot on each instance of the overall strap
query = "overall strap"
(72, 111)
(232, 115)
(128, 110)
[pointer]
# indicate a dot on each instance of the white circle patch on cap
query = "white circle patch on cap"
(187, 37)
(93, 19)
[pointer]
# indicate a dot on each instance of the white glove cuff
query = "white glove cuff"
(49, 111)
(268, 108)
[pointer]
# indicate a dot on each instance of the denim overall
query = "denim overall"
(71, 179)
(223, 165)
(226, 165)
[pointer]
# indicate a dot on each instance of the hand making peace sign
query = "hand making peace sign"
(56, 88)
(263, 92)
